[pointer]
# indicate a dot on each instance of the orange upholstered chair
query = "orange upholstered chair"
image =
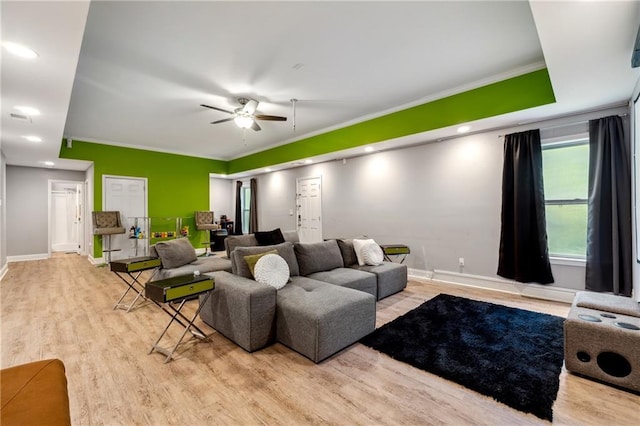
(35, 394)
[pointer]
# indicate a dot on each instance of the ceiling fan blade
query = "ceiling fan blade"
(269, 117)
(255, 126)
(223, 120)
(250, 107)
(216, 108)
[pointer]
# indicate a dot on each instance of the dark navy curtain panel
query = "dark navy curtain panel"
(238, 224)
(524, 252)
(253, 208)
(609, 217)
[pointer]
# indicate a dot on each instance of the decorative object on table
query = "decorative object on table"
(512, 355)
(106, 224)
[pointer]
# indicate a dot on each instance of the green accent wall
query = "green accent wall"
(514, 94)
(178, 185)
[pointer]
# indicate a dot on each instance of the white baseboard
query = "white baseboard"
(95, 260)
(526, 290)
(4, 271)
(27, 257)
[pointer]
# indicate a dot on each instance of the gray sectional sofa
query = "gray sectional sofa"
(327, 305)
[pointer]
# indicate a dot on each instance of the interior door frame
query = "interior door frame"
(146, 191)
(83, 216)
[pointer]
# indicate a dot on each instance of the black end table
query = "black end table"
(165, 293)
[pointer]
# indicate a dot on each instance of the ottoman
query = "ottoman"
(318, 319)
(602, 339)
(35, 394)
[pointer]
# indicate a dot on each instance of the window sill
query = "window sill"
(568, 261)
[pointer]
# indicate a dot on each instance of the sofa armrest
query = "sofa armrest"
(242, 310)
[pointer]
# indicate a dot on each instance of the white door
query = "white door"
(309, 207)
(66, 216)
(128, 195)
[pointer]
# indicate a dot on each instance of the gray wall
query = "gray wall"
(221, 197)
(3, 212)
(27, 207)
(443, 199)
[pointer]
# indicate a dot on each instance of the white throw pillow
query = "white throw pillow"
(272, 269)
(373, 252)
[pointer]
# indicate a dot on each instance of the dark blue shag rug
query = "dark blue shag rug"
(512, 355)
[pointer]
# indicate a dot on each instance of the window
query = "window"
(246, 207)
(566, 182)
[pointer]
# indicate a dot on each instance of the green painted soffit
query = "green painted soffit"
(138, 159)
(514, 94)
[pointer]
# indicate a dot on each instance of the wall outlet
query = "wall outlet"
(461, 261)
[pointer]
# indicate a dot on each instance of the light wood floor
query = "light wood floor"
(63, 308)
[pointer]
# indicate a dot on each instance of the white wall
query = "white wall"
(221, 197)
(443, 199)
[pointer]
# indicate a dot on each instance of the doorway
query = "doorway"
(66, 209)
(128, 195)
(309, 209)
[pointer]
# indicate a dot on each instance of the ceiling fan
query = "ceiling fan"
(245, 116)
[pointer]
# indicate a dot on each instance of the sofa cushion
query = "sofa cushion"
(269, 238)
(176, 253)
(233, 241)
(392, 277)
(350, 278)
(319, 319)
(239, 266)
(252, 259)
(348, 252)
(316, 257)
(272, 270)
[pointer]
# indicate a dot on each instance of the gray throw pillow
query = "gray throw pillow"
(176, 253)
(348, 252)
(317, 257)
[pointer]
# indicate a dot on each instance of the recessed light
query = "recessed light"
(32, 138)
(267, 169)
(19, 50)
(27, 110)
(368, 149)
(308, 161)
(464, 129)
(49, 163)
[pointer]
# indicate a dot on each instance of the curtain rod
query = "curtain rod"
(569, 116)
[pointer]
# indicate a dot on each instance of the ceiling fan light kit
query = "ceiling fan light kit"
(245, 116)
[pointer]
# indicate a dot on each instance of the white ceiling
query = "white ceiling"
(143, 68)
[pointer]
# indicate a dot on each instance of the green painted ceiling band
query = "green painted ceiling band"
(514, 94)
